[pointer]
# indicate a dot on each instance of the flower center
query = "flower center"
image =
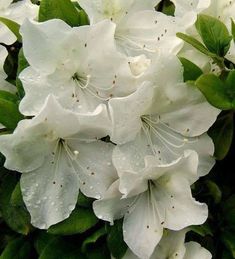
(81, 81)
(161, 137)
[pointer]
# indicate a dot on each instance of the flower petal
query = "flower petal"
(111, 206)
(126, 111)
(194, 251)
(177, 205)
(142, 227)
(94, 167)
(50, 192)
(43, 43)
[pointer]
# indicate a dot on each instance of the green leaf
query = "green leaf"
(228, 239)
(83, 18)
(16, 196)
(226, 255)
(18, 248)
(42, 240)
(84, 201)
(16, 217)
(8, 96)
(202, 230)
(228, 210)
(58, 248)
(80, 220)
(9, 114)
(191, 71)
(214, 191)
(115, 241)
(195, 43)
(60, 9)
(22, 64)
(215, 91)
(230, 85)
(13, 27)
(93, 239)
(222, 135)
(214, 33)
(233, 29)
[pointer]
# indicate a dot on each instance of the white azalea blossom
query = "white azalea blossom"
(138, 27)
(150, 199)
(193, 6)
(164, 117)
(58, 153)
(108, 114)
(173, 246)
(16, 12)
(73, 65)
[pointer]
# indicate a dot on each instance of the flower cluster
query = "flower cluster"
(109, 114)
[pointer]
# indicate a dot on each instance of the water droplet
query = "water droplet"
(109, 163)
(98, 196)
(91, 187)
(52, 203)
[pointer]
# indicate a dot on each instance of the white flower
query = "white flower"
(172, 246)
(186, 6)
(163, 119)
(80, 66)
(16, 12)
(139, 27)
(156, 197)
(57, 153)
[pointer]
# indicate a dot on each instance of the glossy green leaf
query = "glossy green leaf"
(83, 18)
(229, 212)
(230, 85)
(191, 71)
(16, 217)
(41, 240)
(214, 34)
(60, 9)
(93, 239)
(8, 96)
(84, 201)
(195, 43)
(9, 114)
(16, 196)
(222, 135)
(215, 91)
(12, 26)
(115, 241)
(214, 191)
(58, 248)
(18, 248)
(226, 255)
(228, 239)
(80, 220)
(202, 230)
(233, 29)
